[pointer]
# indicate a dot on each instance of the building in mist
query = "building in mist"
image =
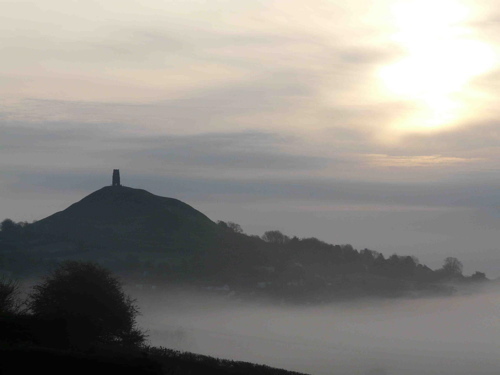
(116, 178)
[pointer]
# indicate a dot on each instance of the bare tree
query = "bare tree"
(9, 297)
(452, 266)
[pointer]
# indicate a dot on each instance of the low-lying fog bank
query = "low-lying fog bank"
(453, 335)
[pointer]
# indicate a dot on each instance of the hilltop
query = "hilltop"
(121, 218)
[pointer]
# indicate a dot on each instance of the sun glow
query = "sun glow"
(441, 57)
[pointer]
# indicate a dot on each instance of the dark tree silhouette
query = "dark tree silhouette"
(236, 228)
(9, 302)
(452, 267)
(91, 302)
(478, 276)
(230, 226)
(275, 237)
(10, 230)
(7, 226)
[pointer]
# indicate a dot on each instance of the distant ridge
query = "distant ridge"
(163, 240)
(124, 218)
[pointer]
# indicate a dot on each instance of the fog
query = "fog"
(454, 335)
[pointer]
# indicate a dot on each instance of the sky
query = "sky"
(361, 122)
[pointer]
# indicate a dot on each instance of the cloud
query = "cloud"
(284, 189)
(203, 109)
(416, 161)
(258, 164)
(279, 102)
(473, 139)
(64, 146)
(136, 72)
(248, 151)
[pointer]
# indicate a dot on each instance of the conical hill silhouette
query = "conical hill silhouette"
(123, 218)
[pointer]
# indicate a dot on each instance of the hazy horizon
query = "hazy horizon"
(451, 335)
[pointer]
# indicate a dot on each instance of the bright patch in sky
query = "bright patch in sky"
(442, 57)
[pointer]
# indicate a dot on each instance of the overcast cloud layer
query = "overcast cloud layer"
(347, 121)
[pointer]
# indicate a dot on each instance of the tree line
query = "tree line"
(273, 263)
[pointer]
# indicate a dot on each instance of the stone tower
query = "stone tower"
(116, 178)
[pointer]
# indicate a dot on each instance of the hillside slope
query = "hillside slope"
(123, 218)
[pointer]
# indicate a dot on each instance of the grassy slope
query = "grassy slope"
(127, 219)
(151, 361)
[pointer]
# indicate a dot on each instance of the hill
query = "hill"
(153, 240)
(126, 219)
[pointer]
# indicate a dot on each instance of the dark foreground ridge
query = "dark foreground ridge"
(149, 361)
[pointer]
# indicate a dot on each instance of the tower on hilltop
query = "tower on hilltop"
(116, 178)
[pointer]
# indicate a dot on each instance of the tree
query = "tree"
(10, 230)
(230, 226)
(478, 276)
(452, 267)
(236, 228)
(91, 302)
(8, 226)
(275, 237)
(9, 302)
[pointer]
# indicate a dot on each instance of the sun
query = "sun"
(441, 57)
